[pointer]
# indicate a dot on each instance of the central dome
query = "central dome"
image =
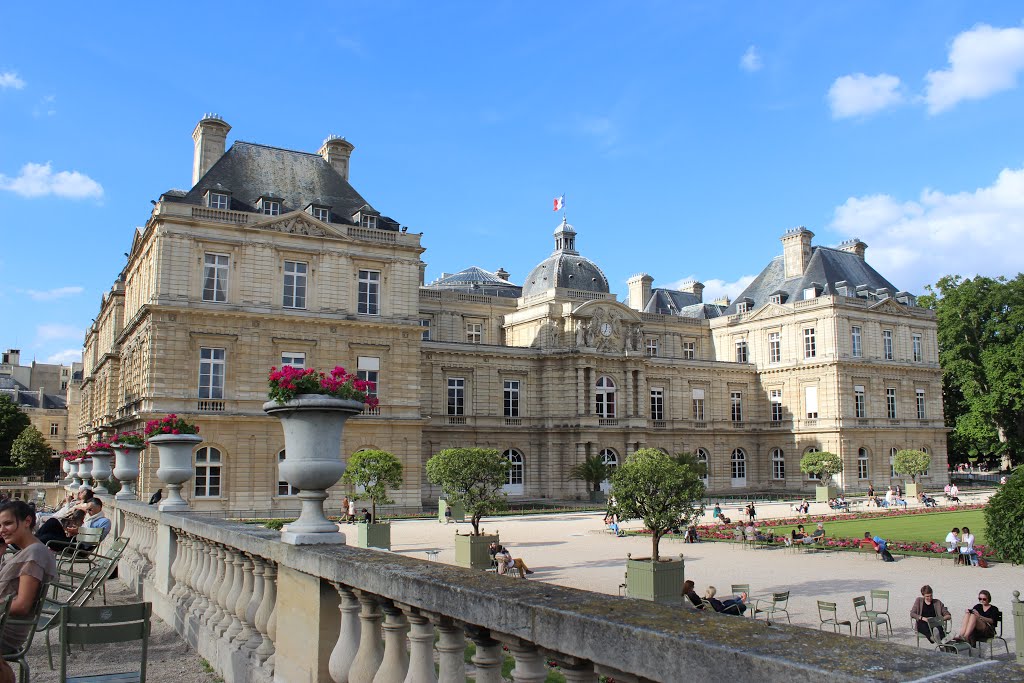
(565, 268)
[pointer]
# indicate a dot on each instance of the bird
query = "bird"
(155, 498)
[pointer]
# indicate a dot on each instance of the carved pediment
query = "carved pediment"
(888, 306)
(298, 223)
(769, 310)
(607, 326)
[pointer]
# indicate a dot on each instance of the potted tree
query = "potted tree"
(665, 492)
(473, 477)
(374, 472)
(824, 466)
(593, 470)
(912, 463)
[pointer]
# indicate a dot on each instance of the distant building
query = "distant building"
(41, 391)
(272, 258)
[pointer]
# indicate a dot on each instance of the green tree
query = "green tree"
(472, 476)
(1004, 519)
(30, 453)
(12, 423)
(376, 472)
(821, 464)
(914, 463)
(660, 490)
(593, 470)
(981, 351)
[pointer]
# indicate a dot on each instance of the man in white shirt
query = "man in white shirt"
(953, 540)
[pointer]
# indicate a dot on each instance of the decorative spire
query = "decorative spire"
(565, 238)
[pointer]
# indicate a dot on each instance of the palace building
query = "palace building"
(272, 258)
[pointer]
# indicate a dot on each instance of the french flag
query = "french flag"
(559, 203)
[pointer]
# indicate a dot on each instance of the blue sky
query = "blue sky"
(687, 137)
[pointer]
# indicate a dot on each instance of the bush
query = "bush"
(1004, 519)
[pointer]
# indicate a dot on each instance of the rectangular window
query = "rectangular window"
(652, 347)
(368, 222)
(890, 402)
(475, 333)
(862, 464)
(811, 402)
(425, 329)
(778, 465)
(859, 409)
(456, 396)
(742, 307)
(270, 208)
(918, 356)
(775, 400)
(810, 293)
(283, 487)
(774, 347)
(211, 373)
(855, 341)
(736, 398)
(369, 292)
(295, 284)
(689, 350)
(368, 370)
(54, 429)
(922, 412)
(775, 299)
(511, 397)
(215, 278)
(810, 347)
(296, 359)
(218, 200)
(657, 403)
(741, 351)
(887, 344)
(698, 405)
(321, 214)
(208, 473)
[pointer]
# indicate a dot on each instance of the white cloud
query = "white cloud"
(9, 79)
(982, 61)
(39, 180)
(914, 243)
(860, 94)
(66, 357)
(751, 60)
(51, 294)
(716, 288)
(52, 331)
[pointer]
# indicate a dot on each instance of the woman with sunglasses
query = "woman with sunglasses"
(980, 622)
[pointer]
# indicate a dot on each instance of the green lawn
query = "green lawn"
(923, 527)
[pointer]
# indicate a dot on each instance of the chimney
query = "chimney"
(796, 251)
(639, 290)
(853, 246)
(337, 152)
(12, 357)
(502, 273)
(210, 137)
(693, 287)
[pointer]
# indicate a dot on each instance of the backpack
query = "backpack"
(887, 556)
(982, 563)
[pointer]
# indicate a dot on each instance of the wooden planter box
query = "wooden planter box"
(823, 494)
(373, 535)
(660, 581)
(912, 490)
(472, 551)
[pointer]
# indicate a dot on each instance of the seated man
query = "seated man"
(57, 533)
(734, 605)
(842, 503)
(899, 500)
(879, 544)
(95, 519)
(818, 535)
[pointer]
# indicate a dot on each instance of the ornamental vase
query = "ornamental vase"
(126, 470)
(175, 468)
(101, 470)
(312, 424)
(65, 466)
(76, 482)
(85, 472)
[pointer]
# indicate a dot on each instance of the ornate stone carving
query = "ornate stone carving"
(294, 225)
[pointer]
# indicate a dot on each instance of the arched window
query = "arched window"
(778, 464)
(739, 465)
(514, 482)
(283, 487)
(702, 457)
(892, 462)
(862, 463)
(208, 472)
(610, 458)
(812, 449)
(605, 397)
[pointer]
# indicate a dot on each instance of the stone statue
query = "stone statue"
(581, 334)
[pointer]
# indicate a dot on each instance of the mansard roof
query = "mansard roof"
(475, 280)
(827, 266)
(22, 396)
(249, 171)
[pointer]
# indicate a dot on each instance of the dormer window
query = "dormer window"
(368, 222)
(217, 200)
(269, 206)
(742, 307)
(321, 213)
(812, 292)
(775, 299)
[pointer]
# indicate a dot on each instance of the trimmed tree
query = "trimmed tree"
(13, 422)
(912, 463)
(473, 477)
(1004, 519)
(658, 489)
(376, 472)
(593, 470)
(30, 452)
(821, 464)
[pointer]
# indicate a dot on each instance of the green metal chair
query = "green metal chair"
(738, 588)
(779, 602)
(880, 606)
(998, 636)
(866, 616)
(106, 560)
(29, 621)
(107, 624)
(945, 622)
(826, 608)
(49, 616)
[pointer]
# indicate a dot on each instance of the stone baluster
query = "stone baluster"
(270, 576)
(488, 658)
(578, 672)
(530, 665)
(202, 601)
(371, 649)
(222, 589)
(421, 648)
(395, 665)
(228, 590)
(231, 624)
(265, 647)
(345, 649)
(255, 635)
(191, 590)
(242, 604)
(214, 613)
(176, 566)
(451, 648)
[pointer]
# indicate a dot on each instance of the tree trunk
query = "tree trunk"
(655, 541)
(373, 511)
(475, 521)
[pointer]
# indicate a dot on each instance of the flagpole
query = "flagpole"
(563, 208)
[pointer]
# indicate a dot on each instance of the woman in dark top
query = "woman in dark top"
(980, 622)
(930, 615)
(691, 594)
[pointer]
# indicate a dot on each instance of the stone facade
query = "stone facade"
(550, 372)
(42, 391)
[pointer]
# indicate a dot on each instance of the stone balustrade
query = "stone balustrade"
(259, 610)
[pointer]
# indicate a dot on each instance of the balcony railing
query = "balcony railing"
(607, 422)
(658, 424)
(513, 422)
(456, 419)
(208, 406)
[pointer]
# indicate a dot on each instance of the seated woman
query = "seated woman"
(734, 605)
(749, 532)
(22, 573)
(980, 622)
(691, 534)
(691, 594)
(929, 615)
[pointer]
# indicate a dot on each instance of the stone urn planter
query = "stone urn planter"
(175, 451)
(660, 581)
(101, 470)
(126, 470)
(312, 424)
(472, 551)
(373, 535)
(65, 467)
(458, 511)
(85, 471)
(823, 494)
(76, 482)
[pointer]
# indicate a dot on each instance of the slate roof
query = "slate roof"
(565, 268)
(21, 396)
(827, 266)
(475, 280)
(297, 179)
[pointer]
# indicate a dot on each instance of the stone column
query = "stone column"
(530, 665)
(371, 649)
(1018, 625)
(348, 639)
(307, 626)
(450, 648)
(395, 664)
(421, 648)
(488, 658)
